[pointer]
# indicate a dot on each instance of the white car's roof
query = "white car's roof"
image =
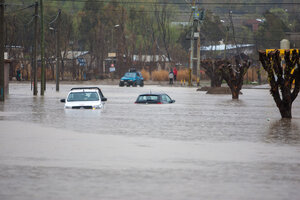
(84, 90)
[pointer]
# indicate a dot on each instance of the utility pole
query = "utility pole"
(35, 50)
(43, 83)
(2, 86)
(191, 56)
(192, 48)
(58, 53)
(198, 54)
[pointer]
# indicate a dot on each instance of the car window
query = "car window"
(83, 96)
(165, 98)
(130, 75)
(148, 98)
(168, 98)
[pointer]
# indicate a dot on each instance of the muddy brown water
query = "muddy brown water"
(201, 147)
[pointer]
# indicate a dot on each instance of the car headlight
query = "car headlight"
(96, 107)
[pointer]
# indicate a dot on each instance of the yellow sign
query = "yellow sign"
(281, 51)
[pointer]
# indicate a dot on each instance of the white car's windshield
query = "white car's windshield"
(83, 96)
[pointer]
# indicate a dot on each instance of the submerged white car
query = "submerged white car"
(84, 98)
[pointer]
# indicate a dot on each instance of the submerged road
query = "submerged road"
(201, 147)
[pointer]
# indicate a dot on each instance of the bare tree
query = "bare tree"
(233, 74)
(281, 78)
(213, 71)
(163, 23)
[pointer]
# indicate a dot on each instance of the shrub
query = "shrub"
(161, 75)
(183, 74)
(145, 74)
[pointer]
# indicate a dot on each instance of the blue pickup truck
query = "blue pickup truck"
(132, 78)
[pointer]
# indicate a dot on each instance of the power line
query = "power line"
(153, 11)
(14, 4)
(183, 3)
(21, 9)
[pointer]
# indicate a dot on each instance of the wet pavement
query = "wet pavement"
(201, 147)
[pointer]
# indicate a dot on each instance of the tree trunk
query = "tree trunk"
(212, 82)
(286, 110)
(215, 83)
(235, 93)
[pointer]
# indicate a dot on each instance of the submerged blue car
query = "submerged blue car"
(132, 78)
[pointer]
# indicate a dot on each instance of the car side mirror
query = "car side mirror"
(63, 100)
(103, 99)
(172, 101)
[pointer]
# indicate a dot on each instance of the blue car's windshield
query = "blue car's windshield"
(83, 96)
(130, 75)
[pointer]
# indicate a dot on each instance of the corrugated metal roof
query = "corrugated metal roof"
(221, 47)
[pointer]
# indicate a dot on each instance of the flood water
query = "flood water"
(201, 147)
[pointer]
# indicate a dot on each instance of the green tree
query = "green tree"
(271, 31)
(212, 29)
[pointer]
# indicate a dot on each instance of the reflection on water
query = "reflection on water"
(284, 131)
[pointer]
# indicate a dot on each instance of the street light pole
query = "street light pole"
(191, 56)
(112, 37)
(198, 55)
(43, 82)
(112, 46)
(2, 84)
(35, 50)
(58, 53)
